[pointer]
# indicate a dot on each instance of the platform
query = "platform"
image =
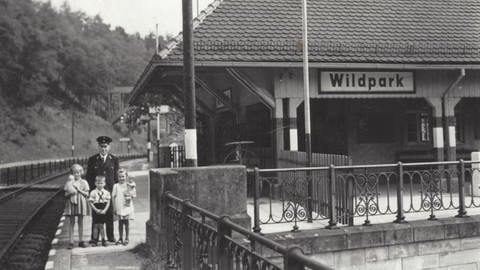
(113, 256)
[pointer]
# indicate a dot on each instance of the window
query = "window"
(376, 127)
(418, 127)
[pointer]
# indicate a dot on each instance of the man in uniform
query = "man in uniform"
(107, 165)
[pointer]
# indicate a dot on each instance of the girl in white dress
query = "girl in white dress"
(122, 196)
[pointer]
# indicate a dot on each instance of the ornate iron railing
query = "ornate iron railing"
(338, 194)
(199, 239)
(27, 171)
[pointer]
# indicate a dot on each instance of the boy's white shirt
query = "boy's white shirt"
(95, 196)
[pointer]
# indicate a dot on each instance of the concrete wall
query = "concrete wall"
(452, 243)
(221, 190)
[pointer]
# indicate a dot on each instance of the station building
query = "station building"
(389, 80)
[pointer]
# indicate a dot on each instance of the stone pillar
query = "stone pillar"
(278, 129)
(221, 190)
(292, 120)
(438, 141)
(475, 174)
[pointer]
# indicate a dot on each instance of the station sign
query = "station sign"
(366, 82)
(159, 109)
(126, 139)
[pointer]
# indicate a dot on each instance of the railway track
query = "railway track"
(28, 218)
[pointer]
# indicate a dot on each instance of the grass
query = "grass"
(45, 131)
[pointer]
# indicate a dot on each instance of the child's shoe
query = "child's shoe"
(70, 246)
(94, 244)
(82, 244)
(125, 242)
(104, 243)
(119, 242)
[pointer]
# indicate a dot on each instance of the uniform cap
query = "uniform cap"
(104, 140)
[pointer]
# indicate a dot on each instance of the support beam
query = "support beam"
(293, 103)
(450, 126)
(217, 94)
(438, 141)
(220, 96)
(177, 92)
(262, 94)
(278, 130)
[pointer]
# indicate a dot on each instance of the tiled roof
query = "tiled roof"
(381, 31)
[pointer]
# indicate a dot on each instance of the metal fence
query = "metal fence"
(340, 194)
(293, 159)
(199, 239)
(27, 171)
(171, 157)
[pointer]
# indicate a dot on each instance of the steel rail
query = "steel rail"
(42, 179)
(28, 220)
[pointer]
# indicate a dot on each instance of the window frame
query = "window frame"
(419, 115)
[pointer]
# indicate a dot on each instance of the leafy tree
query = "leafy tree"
(48, 54)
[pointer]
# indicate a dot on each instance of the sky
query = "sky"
(136, 15)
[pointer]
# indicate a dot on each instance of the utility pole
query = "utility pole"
(158, 140)
(73, 133)
(156, 38)
(189, 86)
(306, 86)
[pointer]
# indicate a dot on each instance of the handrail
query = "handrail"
(348, 192)
(14, 173)
(371, 166)
(30, 162)
(292, 254)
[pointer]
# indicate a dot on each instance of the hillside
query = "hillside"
(54, 61)
(44, 131)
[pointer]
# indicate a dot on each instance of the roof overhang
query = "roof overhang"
(145, 77)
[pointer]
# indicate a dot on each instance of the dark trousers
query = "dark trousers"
(108, 224)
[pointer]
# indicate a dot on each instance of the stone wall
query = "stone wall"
(221, 190)
(452, 243)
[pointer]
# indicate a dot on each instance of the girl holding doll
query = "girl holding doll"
(122, 195)
(76, 193)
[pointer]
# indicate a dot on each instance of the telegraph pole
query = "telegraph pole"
(189, 86)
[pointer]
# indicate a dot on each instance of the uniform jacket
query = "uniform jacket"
(109, 169)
